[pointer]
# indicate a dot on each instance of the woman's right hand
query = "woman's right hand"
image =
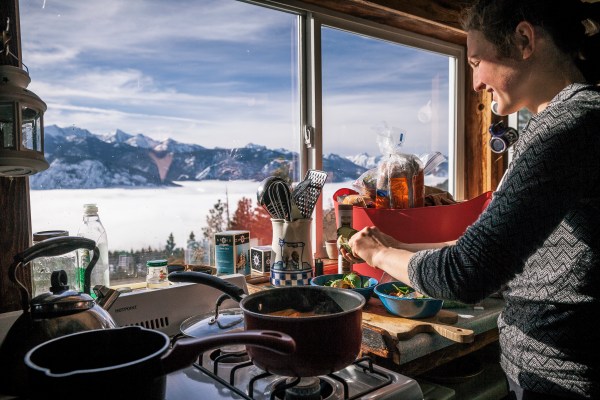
(366, 243)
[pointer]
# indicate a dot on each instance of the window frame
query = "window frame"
(311, 117)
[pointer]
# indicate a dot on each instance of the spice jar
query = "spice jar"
(156, 277)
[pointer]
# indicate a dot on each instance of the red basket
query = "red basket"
(417, 225)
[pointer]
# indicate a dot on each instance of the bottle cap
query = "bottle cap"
(90, 209)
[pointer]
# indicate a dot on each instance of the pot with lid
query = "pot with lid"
(49, 315)
(304, 313)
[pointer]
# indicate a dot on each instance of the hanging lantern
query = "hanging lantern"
(21, 125)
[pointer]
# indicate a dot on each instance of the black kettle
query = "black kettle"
(49, 315)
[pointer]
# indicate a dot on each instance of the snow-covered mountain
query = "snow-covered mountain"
(80, 159)
(365, 160)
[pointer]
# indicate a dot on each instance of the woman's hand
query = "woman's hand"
(366, 243)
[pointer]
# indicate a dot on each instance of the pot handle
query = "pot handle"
(48, 248)
(235, 292)
(186, 351)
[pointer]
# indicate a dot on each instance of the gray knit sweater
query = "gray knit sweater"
(540, 235)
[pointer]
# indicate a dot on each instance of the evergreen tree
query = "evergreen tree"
(215, 220)
(170, 247)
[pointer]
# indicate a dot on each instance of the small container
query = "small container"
(318, 267)
(331, 249)
(156, 276)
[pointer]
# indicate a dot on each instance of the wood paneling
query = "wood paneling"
(15, 225)
(15, 233)
(439, 19)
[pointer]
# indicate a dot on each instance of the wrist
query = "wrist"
(379, 257)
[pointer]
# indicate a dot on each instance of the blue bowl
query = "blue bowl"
(322, 280)
(405, 306)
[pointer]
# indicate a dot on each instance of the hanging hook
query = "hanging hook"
(6, 38)
(5, 44)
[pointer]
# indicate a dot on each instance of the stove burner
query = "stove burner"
(234, 354)
(312, 388)
(306, 388)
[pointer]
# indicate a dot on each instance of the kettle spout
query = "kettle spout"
(105, 296)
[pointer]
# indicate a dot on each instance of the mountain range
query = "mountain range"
(80, 159)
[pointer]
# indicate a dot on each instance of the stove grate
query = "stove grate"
(364, 363)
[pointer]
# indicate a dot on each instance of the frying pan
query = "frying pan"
(133, 360)
(326, 341)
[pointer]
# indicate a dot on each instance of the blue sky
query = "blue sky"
(214, 72)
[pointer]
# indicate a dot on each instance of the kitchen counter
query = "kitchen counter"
(424, 351)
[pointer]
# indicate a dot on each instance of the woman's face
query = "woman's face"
(501, 76)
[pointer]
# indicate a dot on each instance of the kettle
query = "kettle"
(56, 313)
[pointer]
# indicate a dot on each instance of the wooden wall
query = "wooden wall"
(15, 219)
(435, 18)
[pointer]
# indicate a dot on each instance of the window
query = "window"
(163, 112)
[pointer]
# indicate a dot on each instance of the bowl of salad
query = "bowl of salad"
(402, 300)
(359, 283)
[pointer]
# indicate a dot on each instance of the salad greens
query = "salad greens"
(348, 281)
(405, 291)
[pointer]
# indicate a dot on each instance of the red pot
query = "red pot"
(326, 342)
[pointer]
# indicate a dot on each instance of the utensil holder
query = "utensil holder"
(293, 255)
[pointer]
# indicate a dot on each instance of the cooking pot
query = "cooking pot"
(328, 333)
(133, 361)
(49, 315)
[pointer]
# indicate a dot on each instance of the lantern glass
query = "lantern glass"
(31, 129)
(7, 126)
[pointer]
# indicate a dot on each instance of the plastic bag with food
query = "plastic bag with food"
(366, 183)
(400, 179)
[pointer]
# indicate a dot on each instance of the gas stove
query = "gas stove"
(227, 374)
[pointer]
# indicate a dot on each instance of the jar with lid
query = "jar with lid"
(156, 276)
(42, 267)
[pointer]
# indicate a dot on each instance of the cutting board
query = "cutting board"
(376, 315)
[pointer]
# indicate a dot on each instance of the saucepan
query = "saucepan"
(133, 360)
(325, 323)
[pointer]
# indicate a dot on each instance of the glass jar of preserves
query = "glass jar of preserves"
(156, 276)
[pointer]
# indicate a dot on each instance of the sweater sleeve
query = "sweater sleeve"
(555, 162)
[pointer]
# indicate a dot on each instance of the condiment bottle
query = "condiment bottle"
(93, 229)
(345, 215)
(344, 220)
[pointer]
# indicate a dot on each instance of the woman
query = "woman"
(540, 235)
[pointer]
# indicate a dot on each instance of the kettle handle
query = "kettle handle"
(52, 247)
